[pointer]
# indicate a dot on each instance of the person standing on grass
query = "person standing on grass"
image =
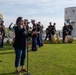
(39, 37)
(34, 36)
(47, 33)
(65, 32)
(2, 27)
(0, 38)
(70, 27)
(20, 44)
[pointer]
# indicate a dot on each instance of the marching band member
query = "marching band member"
(34, 36)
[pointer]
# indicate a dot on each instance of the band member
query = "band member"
(53, 29)
(0, 36)
(50, 29)
(34, 36)
(39, 37)
(27, 27)
(70, 27)
(53, 32)
(41, 33)
(3, 32)
(47, 33)
(65, 31)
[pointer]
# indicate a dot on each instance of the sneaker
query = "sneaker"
(18, 72)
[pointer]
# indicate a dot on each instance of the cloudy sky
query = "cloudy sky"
(41, 10)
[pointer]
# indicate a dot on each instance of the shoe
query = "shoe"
(18, 72)
(24, 70)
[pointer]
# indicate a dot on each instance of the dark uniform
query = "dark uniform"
(41, 31)
(1, 36)
(39, 38)
(3, 32)
(53, 30)
(70, 29)
(47, 33)
(34, 36)
(65, 31)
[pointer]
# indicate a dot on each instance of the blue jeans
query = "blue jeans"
(20, 57)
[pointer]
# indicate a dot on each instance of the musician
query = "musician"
(47, 33)
(65, 31)
(50, 30)
(27, 27)
(34, 36)
(39, 37)
(3, 32)
(41, 33)
(0, 36)
(53, 29)
(70, 27)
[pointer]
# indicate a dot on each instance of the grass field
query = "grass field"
(51, 59)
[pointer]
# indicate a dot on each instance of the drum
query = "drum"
(68, 39)
(53, 39)
(58, 38)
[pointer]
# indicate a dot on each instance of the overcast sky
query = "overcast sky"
(44, 11)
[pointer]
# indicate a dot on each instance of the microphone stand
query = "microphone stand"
(27, 53)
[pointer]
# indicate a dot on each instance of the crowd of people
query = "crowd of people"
(22, 31)
(35, 32)
(50, 30)
(66, 32)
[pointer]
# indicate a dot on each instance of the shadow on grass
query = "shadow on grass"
(6, 53)
(0, 61)
(59, 43)
(12, 73)
(6, 48)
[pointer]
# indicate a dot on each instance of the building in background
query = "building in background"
(70, 13)
(1, 16)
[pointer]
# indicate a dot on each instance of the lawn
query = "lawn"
(51, 59)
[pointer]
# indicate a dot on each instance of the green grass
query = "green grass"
(51, 59)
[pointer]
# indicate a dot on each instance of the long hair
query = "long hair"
(18, 20)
